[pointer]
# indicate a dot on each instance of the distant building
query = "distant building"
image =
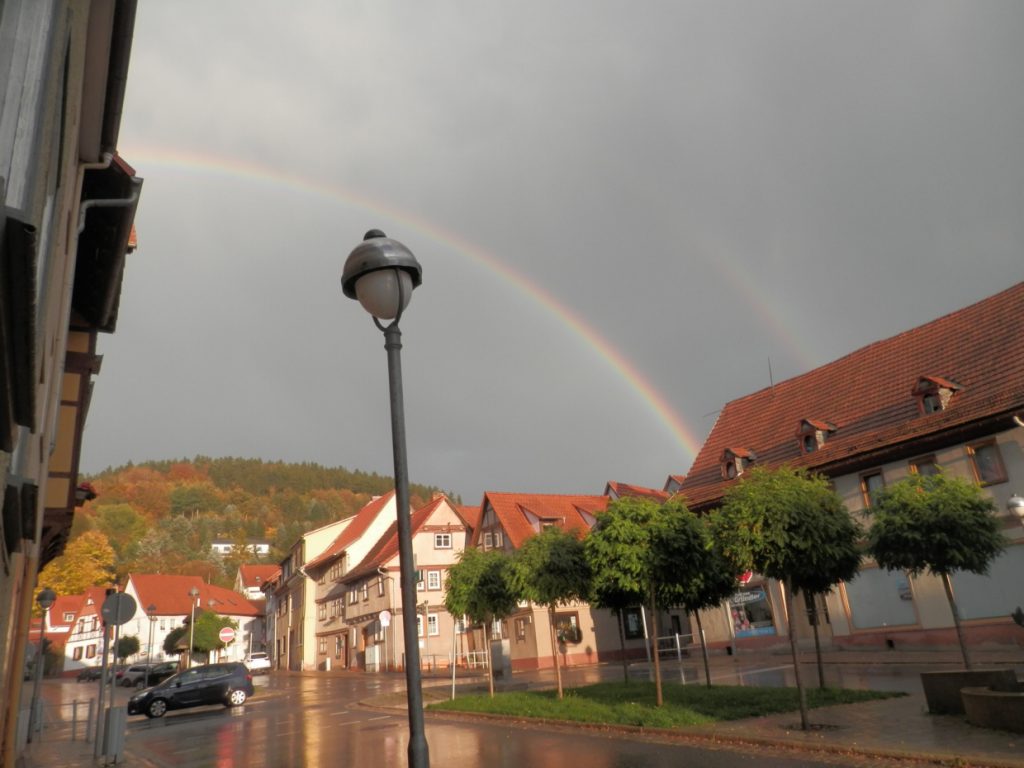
(252, 546)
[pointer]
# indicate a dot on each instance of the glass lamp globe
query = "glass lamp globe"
(379, 292)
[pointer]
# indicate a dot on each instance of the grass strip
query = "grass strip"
(633, 703)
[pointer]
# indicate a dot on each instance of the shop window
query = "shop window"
(987, 463)
(633, 623)
(751, 613)
(567, 628)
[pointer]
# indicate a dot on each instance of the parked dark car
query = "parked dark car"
(227, 684)
(161, 672)
(89, 673)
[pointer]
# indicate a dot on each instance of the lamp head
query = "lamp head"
(46, 598)
(1016, 506)
(382, 274)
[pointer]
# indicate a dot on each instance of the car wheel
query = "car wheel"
(156, 708)
(126, 683)
(236, 698)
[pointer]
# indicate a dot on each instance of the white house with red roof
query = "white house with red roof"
(360, 614)
(947, 395)
(166, 598)
(251, 579)
(84, 646)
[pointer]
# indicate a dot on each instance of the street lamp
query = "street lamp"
(382, 274)
(1016, 506)
(193, 593)
(151, 614)
(45, 598)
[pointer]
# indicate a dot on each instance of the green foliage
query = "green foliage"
(638, 546)
(939, 524)
(126, 646)
(790, 526)
(207, 629)
(172, 641)
(634, 703)
(551, 568)
(479, 586)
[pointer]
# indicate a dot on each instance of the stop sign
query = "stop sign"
(227, 634)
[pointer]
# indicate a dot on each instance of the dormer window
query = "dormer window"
(933, 393)
(812, 434)
(735, 460)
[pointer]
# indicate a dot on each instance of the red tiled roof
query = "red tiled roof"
(513, 511)
(470, 514)
(625, 489)
(387, 545)
(867, 397)
(257, 575)
(169, 594)
(351, 533)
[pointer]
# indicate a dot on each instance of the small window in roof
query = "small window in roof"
(812, 434)
(934, 393)
(734, 461)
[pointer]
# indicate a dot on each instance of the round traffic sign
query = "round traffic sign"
(226, 635)
(385, 618)
(118, 608)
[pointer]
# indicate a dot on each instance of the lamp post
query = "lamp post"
(382, 274)
(151, 615)
(192, 593)
(45, 598)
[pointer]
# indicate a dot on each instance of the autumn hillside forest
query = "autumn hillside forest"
(163, 517)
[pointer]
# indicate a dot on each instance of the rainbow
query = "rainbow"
(180, 159)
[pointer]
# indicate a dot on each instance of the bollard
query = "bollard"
(88, 723)
(74, 720)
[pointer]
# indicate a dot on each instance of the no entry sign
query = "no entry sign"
(227, 634)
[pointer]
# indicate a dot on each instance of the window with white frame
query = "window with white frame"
(433, 579)
(442, 541)
(433, 628)
(380, 587)
(488, 540)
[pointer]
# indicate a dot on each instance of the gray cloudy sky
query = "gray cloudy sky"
(623, 211)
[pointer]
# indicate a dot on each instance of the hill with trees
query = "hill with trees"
(163, 516)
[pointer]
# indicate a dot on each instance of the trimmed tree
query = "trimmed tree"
(206, 637)
(789, 526)
(937, 524)
(549, 569)
(126, 646)
(173, 645)
(479, 587)
(652, 554)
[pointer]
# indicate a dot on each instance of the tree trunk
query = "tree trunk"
(489, 657)
(658, 698)
(787, 593)
(554, 649)
(622, 646)
(948, 584)
(703, 649)
(817, 641)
